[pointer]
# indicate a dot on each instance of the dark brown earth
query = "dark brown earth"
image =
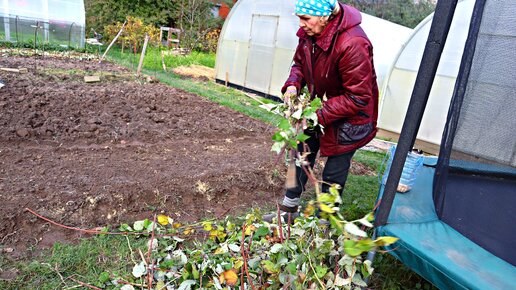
(92, 154)
(116, 151)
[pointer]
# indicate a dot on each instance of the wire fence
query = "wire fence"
(14, 28)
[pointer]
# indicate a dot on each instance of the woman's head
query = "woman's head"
(314, 15)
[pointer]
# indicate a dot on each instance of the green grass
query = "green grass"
(391, 274)
(87, 261)
(152, 60)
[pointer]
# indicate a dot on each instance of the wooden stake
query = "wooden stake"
(15, 70)
(254, 98)
(112, 42)
(290, 181)
(142, 56)
(163, 61)
(91, 79)
(227, 78)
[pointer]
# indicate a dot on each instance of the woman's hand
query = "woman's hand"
(290, 93)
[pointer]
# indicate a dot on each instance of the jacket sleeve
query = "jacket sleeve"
(296, 77)
(357, 75)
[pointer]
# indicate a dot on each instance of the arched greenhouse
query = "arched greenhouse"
(60, 22)
(400, 79)
(258, 41)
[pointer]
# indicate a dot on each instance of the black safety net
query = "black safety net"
(475, 180)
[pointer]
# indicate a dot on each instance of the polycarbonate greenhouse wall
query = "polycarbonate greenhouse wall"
(60, 22)
(258, 41)
(399, 82)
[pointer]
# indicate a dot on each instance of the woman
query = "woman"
(334, 59)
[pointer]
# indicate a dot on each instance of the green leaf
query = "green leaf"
(138, 226)
(139, 270)
(334, 191)
(316, 103)
(297, 114)
(358, 281)
(326, 198)
(234, 247)
(254, 262)
(277, 137)
(125, 228)
(365, 245)
(354, 230)
(313, 117)
(195, 272)
(276, 248)
(277, 147)
(151, 226)
(104, 277)
(270, 267)
(284, 125)
(292, 268)
(339, 281)
(261, 232)
(351, 249)
(320, 271)
(187, 285)
(336, 224)
(302, 137)
(367, 269)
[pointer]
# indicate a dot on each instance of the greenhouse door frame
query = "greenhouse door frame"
(7, 24)
(255, 46)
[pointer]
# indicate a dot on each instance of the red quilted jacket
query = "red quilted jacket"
(339, 64)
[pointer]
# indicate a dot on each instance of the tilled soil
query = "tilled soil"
(91, 154)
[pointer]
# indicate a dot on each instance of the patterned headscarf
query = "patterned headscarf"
(315, 7)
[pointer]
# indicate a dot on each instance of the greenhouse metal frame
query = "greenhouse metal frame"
(60, 22)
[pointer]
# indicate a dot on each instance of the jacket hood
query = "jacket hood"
(347, 18)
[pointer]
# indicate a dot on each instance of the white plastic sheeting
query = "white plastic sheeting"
(398, 86)
(61, 21)
(258, 41)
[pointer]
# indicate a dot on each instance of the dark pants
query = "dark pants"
(335, 170)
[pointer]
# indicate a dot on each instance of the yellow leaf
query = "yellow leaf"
(220, 250)
(207, 226)
(188, 231)
(221, 236)
(239, 264)
(326, 208)
(214, 234)
(163, 220)
(309, 210)
(176, 225)
(385, 241)
(230, 277)
(160, 285)
(249, 229)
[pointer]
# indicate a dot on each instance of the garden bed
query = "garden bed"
(91, 154)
